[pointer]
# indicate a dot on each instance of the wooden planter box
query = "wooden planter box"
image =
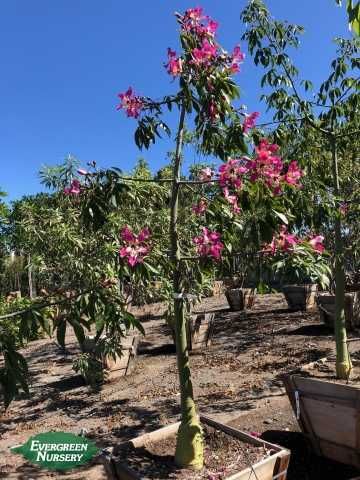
(273, 467)
(300, 297)
(329, 416)
(200, 330)
(218, 288)
(121, 365)
(326, 304)
(240, 298)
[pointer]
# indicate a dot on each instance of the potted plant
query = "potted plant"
(302, 266)
(238, 297)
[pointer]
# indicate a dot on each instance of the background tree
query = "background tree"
(329, 114)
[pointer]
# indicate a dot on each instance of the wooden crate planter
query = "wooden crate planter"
(273, 467)
(326, 305)
(240, 298)
(120, 366)
(300, 297)
(329, 416)
(218, 288)
(200, 330)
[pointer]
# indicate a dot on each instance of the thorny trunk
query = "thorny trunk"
(189, 448)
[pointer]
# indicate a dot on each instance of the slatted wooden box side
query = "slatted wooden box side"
(329, 415)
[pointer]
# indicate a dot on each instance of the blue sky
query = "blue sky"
(64, 62)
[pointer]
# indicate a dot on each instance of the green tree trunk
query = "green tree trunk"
(189, 447)
(343, 362)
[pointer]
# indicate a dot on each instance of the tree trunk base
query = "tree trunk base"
(343, 370)
(190, 446)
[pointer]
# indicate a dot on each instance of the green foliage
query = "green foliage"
(301, 265)
(353, 11)
(13, 372)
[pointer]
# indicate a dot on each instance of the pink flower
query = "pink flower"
(317, 243)
(74, 189)
(211, 27)
(135, 248)
(231, 173)
(81, 171)
(206, 174)
(249, 121)
(127, 234)
(205, 54)
(293, 174)
(237, 57)
(232, 199)
(208, 244)
(283, 241)
(286, 241)
(266, 166)
(131, 103)
(194, 14)
(144, 235)
(201, 207)
(174, 65)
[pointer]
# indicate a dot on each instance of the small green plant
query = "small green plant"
(90, 367)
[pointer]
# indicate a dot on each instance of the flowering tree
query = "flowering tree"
(205, 73)
(331, 116)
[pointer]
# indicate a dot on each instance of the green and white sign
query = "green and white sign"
(57, 450)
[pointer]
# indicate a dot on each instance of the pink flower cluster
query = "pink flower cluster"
(232, 200)
(200, 207)
(174, 65)
(268, 167)
(206, 174)
(231, 173)
(230, 176)
(205, 55)
(209, 244)
(74, 189)
(131, 103)
(285, 242)
(135, 247)
(196, 22)
(207, 52)
(250, 121)
(317, 243)
(236, 59)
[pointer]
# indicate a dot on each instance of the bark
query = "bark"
(343, 362)
(189, 447)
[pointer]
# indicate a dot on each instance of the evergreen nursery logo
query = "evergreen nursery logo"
(57, 450)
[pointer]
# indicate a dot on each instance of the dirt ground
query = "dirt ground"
(236, 380)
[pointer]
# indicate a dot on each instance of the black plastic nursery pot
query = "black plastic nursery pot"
(273, 467)
(300, 297)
